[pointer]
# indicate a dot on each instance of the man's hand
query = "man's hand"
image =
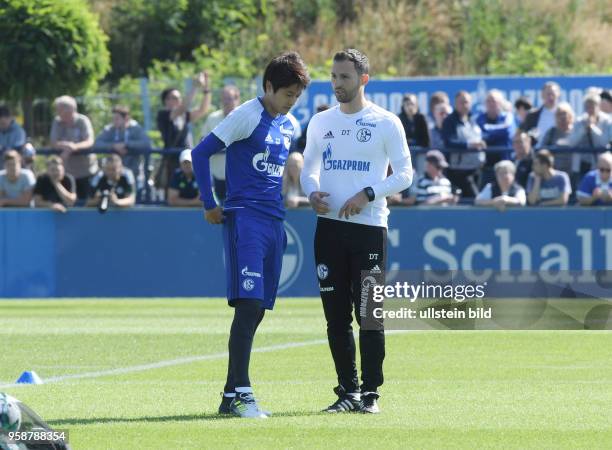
(597, 193)
(58, 207)
(120, 148)
(319, 205)
(214, 216)
(500, 203)
(353, 205)
(113, 197)
(479, 145)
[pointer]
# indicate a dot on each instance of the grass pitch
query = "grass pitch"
(146, 374)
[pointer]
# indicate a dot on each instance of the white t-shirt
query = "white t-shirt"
(347, 152)
(24, 182)
(487, 194)
(545, 122)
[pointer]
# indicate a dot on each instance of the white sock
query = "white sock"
(248, 389)
(229, 394)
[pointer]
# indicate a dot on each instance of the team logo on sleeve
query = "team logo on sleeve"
(248, 284)
(343, 164)
(322, 271)
(261, 164)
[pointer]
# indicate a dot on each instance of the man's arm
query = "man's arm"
(138, 139)
(203, 81)
(533, 187)
(559, 201)
(398, 153)
(200, 156)
(68, 197)
(174, 199)
(23, 200)
(311, 172)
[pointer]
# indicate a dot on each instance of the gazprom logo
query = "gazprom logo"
(327, 155)
(343, 164)
(261, 164)
(361, 123)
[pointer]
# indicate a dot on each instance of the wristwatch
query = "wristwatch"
(369, 192)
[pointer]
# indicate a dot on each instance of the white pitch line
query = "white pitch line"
(167, 363)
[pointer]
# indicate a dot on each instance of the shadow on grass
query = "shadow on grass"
(183, 418)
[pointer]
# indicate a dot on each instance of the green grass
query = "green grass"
(443, 389)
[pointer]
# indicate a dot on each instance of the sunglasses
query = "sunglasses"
(603, 169)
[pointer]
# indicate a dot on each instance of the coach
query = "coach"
(348, 150)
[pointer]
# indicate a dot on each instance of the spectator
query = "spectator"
(115, 181)
(72, 133)
(596, 187)
(126, 137)
(173, 122)
(431, 189)
(539, 121)
(12, 136)
(558, 136)
(292, 189)
(435, 99)
(497, 126)
(460, 133)
(593, 130)
(440, 112)
(547, 186)
(183, 190)
(503, 191)
(55, 189)
(301, 142)
(16, 184)
(522, 106)
(523, 157)
(415, 124)
(606, 102)
(230, 100)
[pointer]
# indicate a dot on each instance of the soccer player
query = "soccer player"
(348, 150)
(257, 136)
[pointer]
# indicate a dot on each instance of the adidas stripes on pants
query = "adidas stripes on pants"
(342, 251)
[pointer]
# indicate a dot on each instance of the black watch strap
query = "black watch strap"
(369, 192)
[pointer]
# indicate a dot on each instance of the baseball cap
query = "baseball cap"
(185, 155)
(437, 158)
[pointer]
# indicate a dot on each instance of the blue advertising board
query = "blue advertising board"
(172, 253)
(388, 93)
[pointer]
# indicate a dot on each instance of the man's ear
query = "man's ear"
(269, 88)
(364, 79)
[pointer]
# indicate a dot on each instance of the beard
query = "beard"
(346, 96)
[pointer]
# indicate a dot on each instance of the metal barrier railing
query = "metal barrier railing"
(145, 196)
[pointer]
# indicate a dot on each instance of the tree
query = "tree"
(49, 48)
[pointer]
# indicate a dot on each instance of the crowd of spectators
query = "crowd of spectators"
(500, 156)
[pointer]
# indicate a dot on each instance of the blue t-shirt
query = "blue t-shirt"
(553, 187)
(591, 181)
(257, 148)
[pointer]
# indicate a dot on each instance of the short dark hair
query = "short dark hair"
(359, 60)
(286, 70)
(54, 159)
(5, 111)
(605, 95)
(545, 157)
(166, 92)
(121, 110)
(523, 102)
